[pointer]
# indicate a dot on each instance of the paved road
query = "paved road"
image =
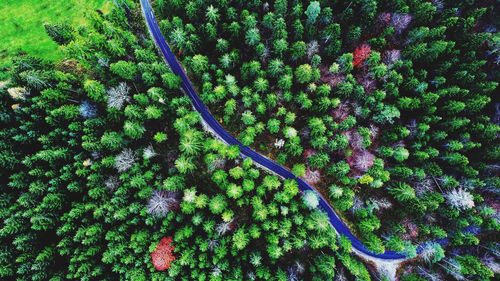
(187, 86)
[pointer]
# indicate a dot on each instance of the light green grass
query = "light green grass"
(21, 25)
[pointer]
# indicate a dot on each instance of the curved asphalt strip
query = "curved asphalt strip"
(176, 68)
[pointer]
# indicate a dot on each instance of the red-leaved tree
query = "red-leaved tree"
(360, 54)
(163, 256)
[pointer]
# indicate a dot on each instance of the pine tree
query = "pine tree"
(61, 33)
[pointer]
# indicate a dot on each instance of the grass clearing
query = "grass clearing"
(21, 25)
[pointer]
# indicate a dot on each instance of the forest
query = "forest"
(388, 109)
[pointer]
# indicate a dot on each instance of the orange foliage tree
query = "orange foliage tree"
(163, 256)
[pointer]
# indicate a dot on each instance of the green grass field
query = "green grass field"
(21, 24)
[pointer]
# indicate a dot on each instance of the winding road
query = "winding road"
(214, 126)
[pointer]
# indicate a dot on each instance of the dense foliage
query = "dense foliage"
(387, 107)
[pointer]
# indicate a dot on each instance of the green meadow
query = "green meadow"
(21, 25)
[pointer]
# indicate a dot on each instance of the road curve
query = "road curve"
(340, 227)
